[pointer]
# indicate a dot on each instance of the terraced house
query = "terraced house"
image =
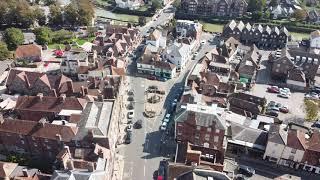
(233, 8)
(264, 37)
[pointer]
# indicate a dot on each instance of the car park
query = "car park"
(246, 170)
(163, 126)
(130, 114)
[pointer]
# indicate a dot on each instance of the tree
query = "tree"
(91, 31)
(4, 52)
(267, 14)
(257, 15)
(156, 4)
(55, 18)
(71, 14)
(25, 16)
(85, 12)
(142, 20)
(311, 108)
(299, 14)
(273, 3)
(43, 35)
(62, 36)
(13, 37)
(256, 5)
(40, 16)
(177, 4)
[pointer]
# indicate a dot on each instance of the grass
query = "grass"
(80, 41)
(212, 27)
(55, 46)
(300, 36)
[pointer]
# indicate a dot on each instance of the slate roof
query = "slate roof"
(274, 135)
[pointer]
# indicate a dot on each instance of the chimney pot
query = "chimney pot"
(40, 95)
(58, 136)
(25, 172)
(63, 96)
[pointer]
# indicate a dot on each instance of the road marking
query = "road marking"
(144, 171)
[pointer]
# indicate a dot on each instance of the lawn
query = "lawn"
(300, 36)
(80, 41)
(212, 27)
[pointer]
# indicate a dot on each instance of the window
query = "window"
(209, 129)
(217, 131)
(206, 145)
(198, 128)
(293, 151)
(207, 137)
(216, 139)
(22, 141)
(35, 144)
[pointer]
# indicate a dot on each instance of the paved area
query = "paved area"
(295, 102)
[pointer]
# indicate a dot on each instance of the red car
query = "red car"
(152, 78)
(273, 89)
(284, 109)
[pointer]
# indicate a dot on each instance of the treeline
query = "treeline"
(19, 13)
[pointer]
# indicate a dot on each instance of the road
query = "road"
(142, 156)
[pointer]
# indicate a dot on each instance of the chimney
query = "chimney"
(70, 86)
(90, 167)
(1, 118)
(25, 172)
(40, 95)
(84, 91)
(70, 165)
(58, 136)
(42, 122)
(63, 97)
(54, 93)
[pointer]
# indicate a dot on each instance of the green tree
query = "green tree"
(156, 4)
(4, 52)
(257, 15)
(40, 16)
(55, 18)
(91, 31)
(273, 3)
(256, 5)
(43, 35)
(71, 14)
(85, 12)
(299, 15)
(267, 14)
(62, 36)
(24, 13)
(177, 4)
(142, 20)
(311, 108)
(13, 37)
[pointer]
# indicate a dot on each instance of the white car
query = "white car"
(167, 118)
(163, 126)
(129, 128)
(196, 53)
(203, 42)
(285, 90)
(174, 103)
(284, 95)
(130, 114)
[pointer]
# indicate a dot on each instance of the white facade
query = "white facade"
(315, 42)
(178, 54)
(130, 4)
(295, 155)
(70, 66)
(273, 151)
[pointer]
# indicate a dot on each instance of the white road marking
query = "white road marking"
(144, 171)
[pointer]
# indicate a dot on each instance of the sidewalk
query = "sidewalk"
(118, 168)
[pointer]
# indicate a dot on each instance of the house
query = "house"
(178, 54)
(264, 37)
(29, 53)
(186, 29)
(286, 146)
(281, 11)
(246, 104)
(315, 39)
(249, 64)
(73, 61)
(36, 107)
(129, 4)
(32, 83)
(10, 170)
(233, 8)
(283, 61)
(117, 41)
(312, 153)
(157, 38)
(200, 126)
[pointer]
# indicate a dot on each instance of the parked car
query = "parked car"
(130, 106)
(130, 93)
(315, 89)
(174, 103)
(316, 124)
(273, 89)
(163, 126)
(311, 95)
(284, 95)
(284, 109)
(271, 103)
(162, 79)
(130, 98)
(167, 118)
(130, 114)
(129, 127)
(273, 108)
(285, 90)
(272, 113)
(128, 139)
(246, 170)
(203, 42)
(138, 124)
(152, 78)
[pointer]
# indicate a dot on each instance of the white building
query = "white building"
(73, 61)
(178, 54)
(157, 39)
(129, 4)
(315, 39)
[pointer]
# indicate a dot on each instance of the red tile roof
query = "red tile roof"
(49, 104)
(36, 129)
(28, 51)
(314, 142)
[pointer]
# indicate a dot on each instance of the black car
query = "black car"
(246, 170)
(128, 139)
(138, 124)
(272, 113)
(316, 124)
(316, 90)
